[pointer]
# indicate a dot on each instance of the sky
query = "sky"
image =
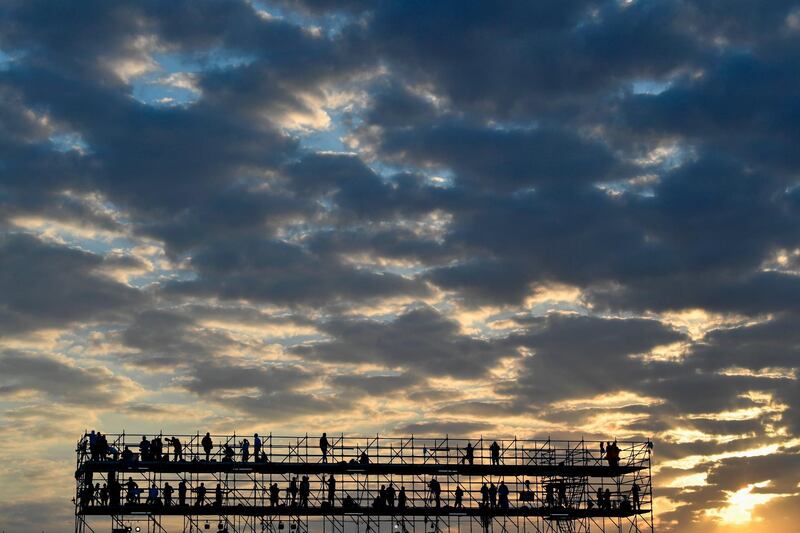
(562, 217)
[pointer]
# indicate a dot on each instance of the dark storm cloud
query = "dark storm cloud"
(46, 285)
(420, 340)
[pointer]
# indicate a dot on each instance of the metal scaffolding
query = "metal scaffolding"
(551, 485)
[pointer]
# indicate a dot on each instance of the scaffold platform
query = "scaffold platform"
(524, 485)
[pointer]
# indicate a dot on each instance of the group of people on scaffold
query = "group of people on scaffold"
(96, 446)
(298, 493)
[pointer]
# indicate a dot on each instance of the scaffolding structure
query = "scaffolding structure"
(552, 485)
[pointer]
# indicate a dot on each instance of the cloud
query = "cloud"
(45, 285)
(59, 380)
(420, 340)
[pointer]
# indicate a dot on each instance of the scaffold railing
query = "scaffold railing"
(344, 483)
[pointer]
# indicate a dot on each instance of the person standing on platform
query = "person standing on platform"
(607, 499)
(331, 490)
(492, 495)
(207, 446)
(402, 499)
(459, 504)
(293, 490)
(144, 449)
(502, 493)
(495, 449)
(323, 447)
(131, 487)
(104, 495)
(245, 450)
(168, 490)
(600, 500)
(390, 495)
(484, 495)
(201, 495)
(182, 493)
(305, 491)
(177, 448)
(218, 496)
(469, 454)
(152, 494)
(637, 506)
(274, 495)
(256, 447)
(436, 492)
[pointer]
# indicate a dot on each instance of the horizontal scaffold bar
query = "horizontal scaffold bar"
(197, 467)
(290, 511)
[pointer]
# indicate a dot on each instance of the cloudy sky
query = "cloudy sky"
(561, 217)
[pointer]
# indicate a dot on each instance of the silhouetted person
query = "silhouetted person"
(625, 504)
(607, 498)
(168, 490)
(469, 454)
(201, 495)
(131, 487)
(245, 450)
(485, 495)
(115, 492)
(602, 451)
(102, 446)
(526, 495)
(562, 494)
(495, 449)
(612, 454)
(256, 447)
(323, 447)
(436, 492)
(637, 506)
(93, 445)
(155, 448)
(177, 448)
(600, 499)
(144, 449)
(152, 494)
(492, 495)
(207, 446)
(218, 496)
(459, 498)
(364, 459)
(549, 497)
(380, 501)
(127, 456)
(331, 490)
(87, 496)
(182, 493)
(274, 495)
(104, 495)
(305, 491)
(402, 499)
(228, 454)
(502, 494)
(95, 499)
(390, 495)
(293, 490)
